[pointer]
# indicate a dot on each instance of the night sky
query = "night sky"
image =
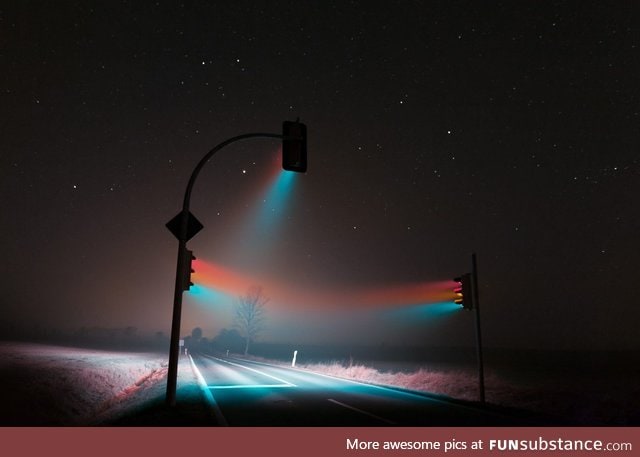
(436, 129)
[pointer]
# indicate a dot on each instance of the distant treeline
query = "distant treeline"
(99, 337)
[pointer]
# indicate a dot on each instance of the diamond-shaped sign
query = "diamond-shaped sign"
(193, 226)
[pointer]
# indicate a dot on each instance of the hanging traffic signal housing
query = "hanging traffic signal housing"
(294, 146)
(187, 269)
(462, 291)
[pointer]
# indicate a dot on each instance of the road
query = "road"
(244, 393)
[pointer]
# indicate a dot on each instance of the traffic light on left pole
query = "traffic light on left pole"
(187, 269)
(462, 291)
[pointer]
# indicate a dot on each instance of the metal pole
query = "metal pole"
(478, 332)
(174, 348)
(174, 345)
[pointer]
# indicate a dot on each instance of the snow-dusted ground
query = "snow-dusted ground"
(597, 399)
(50, 385)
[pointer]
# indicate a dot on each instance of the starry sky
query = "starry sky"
(435, 129)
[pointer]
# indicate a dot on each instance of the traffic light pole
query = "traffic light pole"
(476, 302)
(174, 345)
(183, 237)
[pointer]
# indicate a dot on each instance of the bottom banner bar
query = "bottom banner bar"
(311, 442)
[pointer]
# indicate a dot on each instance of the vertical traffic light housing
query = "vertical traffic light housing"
(294, 146)
(187, 269)
(462, 291)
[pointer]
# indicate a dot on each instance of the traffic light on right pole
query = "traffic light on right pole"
(294, 146)
(463, 291)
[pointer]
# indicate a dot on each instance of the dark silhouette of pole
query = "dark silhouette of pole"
(174, 348)
(476, 302)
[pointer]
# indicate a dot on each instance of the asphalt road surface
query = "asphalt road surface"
(243, 393)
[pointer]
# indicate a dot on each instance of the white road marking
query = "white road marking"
(208, 395)
(250, 386)
(353, 408)
(286, 383)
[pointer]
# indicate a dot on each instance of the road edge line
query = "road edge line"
(222, 421)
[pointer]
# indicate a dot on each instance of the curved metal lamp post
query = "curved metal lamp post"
(184, 226)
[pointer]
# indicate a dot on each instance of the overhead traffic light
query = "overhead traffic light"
(187, 269)
(462, 291)
(294, 146)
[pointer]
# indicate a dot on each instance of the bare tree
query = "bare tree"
(250, 314)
